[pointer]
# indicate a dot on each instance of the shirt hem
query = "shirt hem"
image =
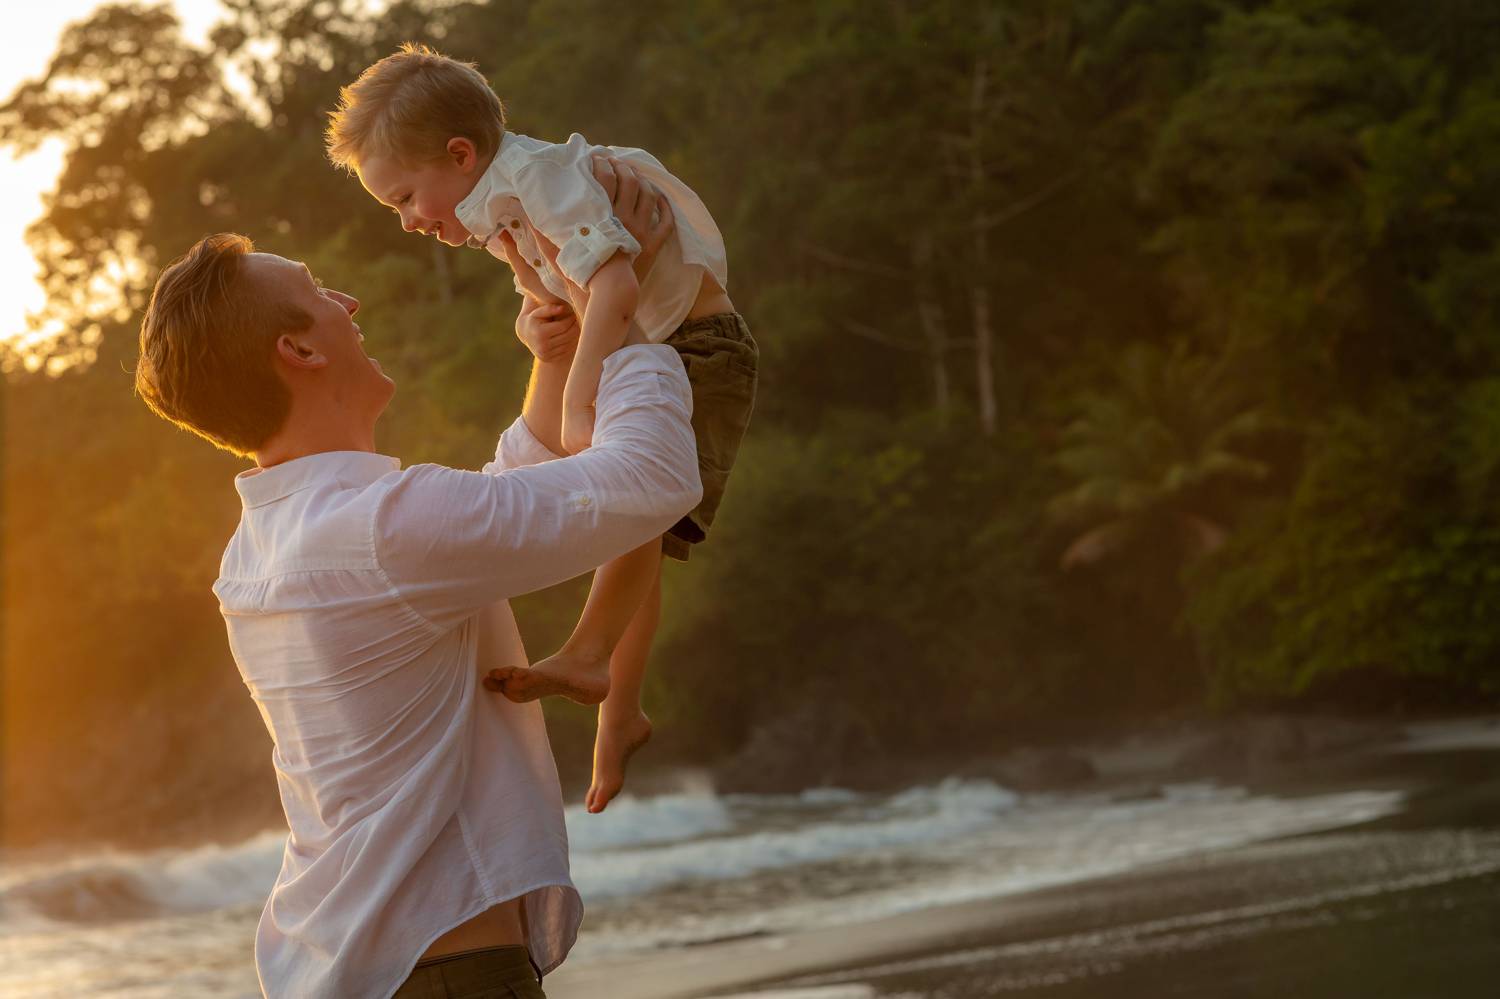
(488, 903)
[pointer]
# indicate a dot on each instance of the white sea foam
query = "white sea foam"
(919, 816)
(631, 821)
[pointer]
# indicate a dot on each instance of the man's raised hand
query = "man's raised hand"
(639, 206)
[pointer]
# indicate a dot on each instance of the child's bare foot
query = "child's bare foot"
(581, 677)
(616, 742)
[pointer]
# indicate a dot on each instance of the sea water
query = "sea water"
(656, 873)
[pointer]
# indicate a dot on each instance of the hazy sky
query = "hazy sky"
(26, 46)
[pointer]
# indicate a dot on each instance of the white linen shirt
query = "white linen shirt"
(364, 603)
(533, 186)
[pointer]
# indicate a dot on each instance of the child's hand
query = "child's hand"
(548, 329)
(577, 429)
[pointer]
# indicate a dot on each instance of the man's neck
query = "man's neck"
(301, 438)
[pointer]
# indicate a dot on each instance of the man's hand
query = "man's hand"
(639, 206)
(548, 329)
(641, 209)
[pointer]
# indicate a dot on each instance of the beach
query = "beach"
(1404, 905)
(1370, 867)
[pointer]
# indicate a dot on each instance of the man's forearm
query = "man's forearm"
(542, 409)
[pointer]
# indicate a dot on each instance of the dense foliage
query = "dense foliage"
(1118, 356)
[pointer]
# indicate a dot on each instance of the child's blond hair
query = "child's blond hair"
(408, 105)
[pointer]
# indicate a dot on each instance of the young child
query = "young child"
(426, 135)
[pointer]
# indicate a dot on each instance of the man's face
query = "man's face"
(354, 377)
(425, 195)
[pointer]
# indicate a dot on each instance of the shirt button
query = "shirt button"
(583, 230)
(515, 223)
(584, 501)
(537, 262)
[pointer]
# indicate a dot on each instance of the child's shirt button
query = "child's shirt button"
(583, 230)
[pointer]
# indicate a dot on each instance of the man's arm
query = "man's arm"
(452, 541)
(647, 216)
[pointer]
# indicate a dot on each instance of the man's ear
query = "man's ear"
(464, 154)
(299, 354)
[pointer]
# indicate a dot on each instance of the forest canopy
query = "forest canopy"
(1119, 357)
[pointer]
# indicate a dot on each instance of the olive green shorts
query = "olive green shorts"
(721, 359)
(486, 973)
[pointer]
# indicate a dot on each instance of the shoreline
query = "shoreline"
(1199, 896)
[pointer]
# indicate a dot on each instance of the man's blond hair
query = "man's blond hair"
(207, 344)
(408, 105)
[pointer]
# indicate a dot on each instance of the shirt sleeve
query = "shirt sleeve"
(452, 541)
(517, 448)
(563, 200)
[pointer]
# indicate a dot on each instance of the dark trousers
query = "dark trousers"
(487, 973)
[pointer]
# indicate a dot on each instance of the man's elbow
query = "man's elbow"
(676, 487)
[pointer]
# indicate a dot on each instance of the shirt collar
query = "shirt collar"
(472, 210)
(258, 486)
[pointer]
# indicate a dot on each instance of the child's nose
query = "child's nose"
(408, 222)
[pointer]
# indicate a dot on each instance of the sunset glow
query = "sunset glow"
(25, 48)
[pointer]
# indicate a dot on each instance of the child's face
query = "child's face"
(425, 195)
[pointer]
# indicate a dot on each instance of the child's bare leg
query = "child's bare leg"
(580, 670)
(623, 726)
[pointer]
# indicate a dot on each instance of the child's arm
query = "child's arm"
(612, 295)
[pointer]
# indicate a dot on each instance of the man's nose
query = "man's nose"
(349, 302)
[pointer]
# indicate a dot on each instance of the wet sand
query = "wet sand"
(1407, 906)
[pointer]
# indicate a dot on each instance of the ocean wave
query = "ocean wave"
(631, 821)
(919, 816)
(114, 885)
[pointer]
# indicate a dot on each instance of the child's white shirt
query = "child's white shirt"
(550, 186)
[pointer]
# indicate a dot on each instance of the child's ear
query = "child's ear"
(464, 155)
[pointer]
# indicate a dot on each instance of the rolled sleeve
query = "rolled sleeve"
(517, 448)
(452, 541)
(570, 207)
(591, 246)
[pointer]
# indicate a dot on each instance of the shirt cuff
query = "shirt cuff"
(519, 447)
(589, 247)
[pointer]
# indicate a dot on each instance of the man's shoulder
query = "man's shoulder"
(325, 527)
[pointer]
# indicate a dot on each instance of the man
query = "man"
(364, 602)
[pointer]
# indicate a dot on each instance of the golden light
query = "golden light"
(26, 47)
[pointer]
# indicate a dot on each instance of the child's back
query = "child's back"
(551, 186)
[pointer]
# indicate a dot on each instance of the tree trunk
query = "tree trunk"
(979, 293)
(934, 325)
(444, 278)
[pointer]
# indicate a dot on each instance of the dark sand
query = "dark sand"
(1406, 907)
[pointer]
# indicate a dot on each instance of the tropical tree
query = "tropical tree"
(1154, 448)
